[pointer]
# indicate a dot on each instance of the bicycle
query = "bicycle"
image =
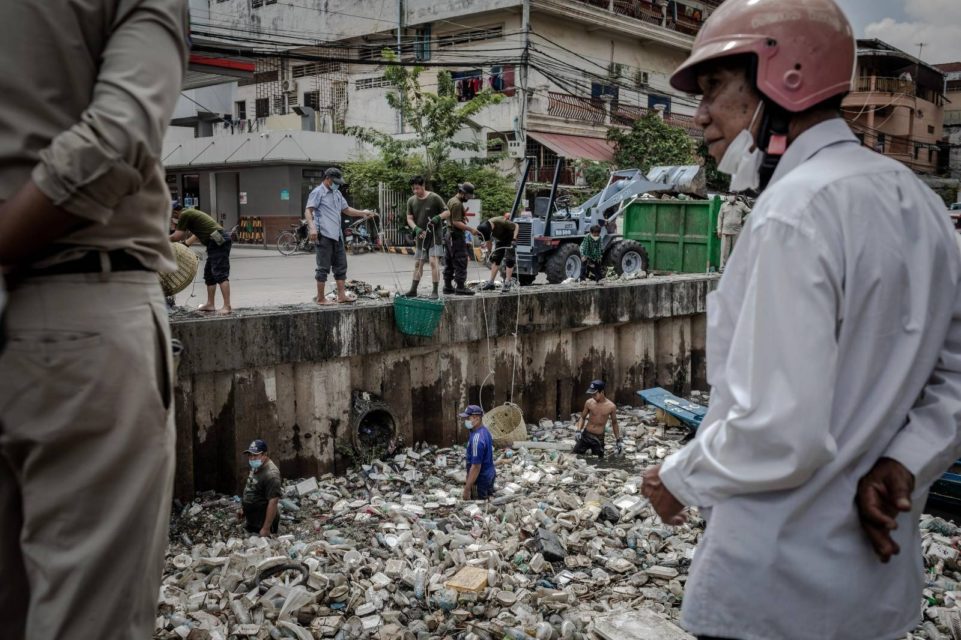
(290, 242)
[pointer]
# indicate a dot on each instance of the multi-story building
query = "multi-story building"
(952, 117)
(897, 105)
(568, 70)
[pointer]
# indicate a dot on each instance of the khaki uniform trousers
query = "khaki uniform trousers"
(727, 246)
(86, 457)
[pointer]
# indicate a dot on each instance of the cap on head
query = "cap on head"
(177, 205)
(596, 387)
(256, 447)
(806, 52)
(471, 410)
(335, 175)
(466, 188)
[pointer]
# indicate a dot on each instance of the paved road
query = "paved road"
(263, 277)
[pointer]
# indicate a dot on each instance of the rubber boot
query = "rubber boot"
(413, 289)
(448, 288)
(462, 290)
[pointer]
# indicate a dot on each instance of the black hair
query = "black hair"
(595, 228)
(418, 180)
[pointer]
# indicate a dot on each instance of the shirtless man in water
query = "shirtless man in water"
(597, 410)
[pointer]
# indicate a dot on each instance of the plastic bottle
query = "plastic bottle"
(420, 582)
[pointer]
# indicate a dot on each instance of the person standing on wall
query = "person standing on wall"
(86, 379)
(208, 232)
(729, 223)
(456, 250)
(325, 204)
(425, 212)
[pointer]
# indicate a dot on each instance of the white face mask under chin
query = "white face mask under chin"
(740, 162)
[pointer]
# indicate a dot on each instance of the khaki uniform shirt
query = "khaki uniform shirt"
(88, 94)
(731, 218)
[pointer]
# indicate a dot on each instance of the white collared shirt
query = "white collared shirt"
(834, 339)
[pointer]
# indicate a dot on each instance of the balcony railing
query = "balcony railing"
(591, 111)
(575, 108)
(653, 13)
(884, 85)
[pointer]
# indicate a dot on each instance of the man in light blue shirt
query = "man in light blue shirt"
(325, 204)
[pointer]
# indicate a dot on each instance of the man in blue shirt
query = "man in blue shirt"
(480, 456)
(325, 204)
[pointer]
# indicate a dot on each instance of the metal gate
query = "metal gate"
(393, 212)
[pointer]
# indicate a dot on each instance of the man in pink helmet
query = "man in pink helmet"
(833, 348)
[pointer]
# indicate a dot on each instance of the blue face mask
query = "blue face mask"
(468, 424)
(334, 186)
(255, 463)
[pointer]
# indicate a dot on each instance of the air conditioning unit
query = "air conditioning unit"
(641, 79)
(289, 85)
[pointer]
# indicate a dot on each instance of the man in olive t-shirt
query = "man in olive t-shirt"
(455, 249)
(261, 492)
(217, 267)
(425, 214)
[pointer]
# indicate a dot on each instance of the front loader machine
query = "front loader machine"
(549, 239)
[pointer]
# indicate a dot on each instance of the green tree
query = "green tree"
(494, 189)
(596, 174)
(716, 181)
(651, 142)
(434, 119)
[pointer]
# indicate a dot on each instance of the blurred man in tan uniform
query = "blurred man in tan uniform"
(86, 426)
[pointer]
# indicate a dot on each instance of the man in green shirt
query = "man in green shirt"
(425, 214)
(592, 255)
(455, 249)
(505, 233)
(217, 267)
(262, 492)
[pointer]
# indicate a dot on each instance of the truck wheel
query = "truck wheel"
(564, 263)
(526, 279)
(628, 256)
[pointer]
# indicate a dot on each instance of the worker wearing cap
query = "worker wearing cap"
(325, 204)
(592, 424)
(261, 492)
(455, 247)
(834, 348)
(480, 456)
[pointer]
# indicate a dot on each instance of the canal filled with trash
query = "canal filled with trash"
(566, 549)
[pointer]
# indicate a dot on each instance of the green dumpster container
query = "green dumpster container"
(679, 235)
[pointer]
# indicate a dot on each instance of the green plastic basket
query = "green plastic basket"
(417, 317)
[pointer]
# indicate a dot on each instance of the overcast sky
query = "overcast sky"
(905, 23)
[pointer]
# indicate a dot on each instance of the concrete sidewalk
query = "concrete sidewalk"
(263, 277)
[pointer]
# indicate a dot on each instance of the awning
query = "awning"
(204, 71)
(575, 147)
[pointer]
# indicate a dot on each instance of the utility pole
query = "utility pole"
(525, 65)
(400, 33)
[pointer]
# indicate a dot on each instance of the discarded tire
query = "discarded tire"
(372, 424)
